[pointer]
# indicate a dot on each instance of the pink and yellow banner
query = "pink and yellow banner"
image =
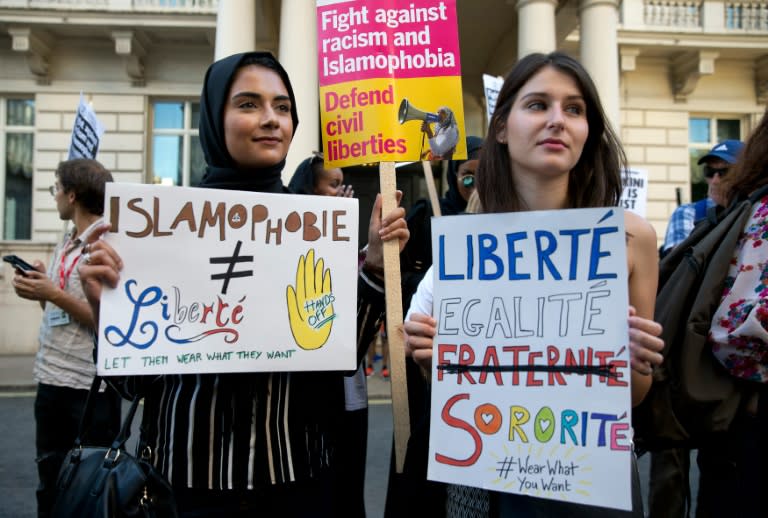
(390, 81)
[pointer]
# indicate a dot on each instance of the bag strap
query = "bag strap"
(755, 196)
(125, 430)
(86, 418)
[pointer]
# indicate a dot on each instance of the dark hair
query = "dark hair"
(750, 172)
(304, 179)
(595, 180)
(86, 179)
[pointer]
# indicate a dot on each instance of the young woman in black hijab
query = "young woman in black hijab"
(248, 444)
(258, 168)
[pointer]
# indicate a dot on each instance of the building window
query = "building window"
(17, 132)
(703, 134)
(177, 158)
(734, 16)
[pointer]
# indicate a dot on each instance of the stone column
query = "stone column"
(298, 54)
(535, 26)
(235, 27)
(599, 51)
(633, 14)
(713, 16)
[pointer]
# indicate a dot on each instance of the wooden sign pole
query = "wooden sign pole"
(394, 315)
(427, 166)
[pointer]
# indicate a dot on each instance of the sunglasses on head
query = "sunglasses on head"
(710, 172)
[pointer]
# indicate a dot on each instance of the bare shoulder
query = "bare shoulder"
(639, 229)
(642, 263)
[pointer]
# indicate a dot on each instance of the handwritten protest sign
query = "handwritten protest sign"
(530, 380)
(86, 133)
(634, 196)
(229, 281)
(385, 67)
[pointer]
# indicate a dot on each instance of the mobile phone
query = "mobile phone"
(18, 263)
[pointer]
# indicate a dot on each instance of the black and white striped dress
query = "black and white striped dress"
(245, 430)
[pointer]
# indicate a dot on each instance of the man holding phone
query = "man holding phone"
(64, 366)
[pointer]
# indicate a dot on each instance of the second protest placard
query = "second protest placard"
(390, 76)
(531, 377)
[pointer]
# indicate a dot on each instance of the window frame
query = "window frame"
(5, 129)
(187, 132)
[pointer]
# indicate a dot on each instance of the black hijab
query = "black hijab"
(453, 203)
(221, 171)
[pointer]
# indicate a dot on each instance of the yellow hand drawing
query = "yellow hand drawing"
(310, 304)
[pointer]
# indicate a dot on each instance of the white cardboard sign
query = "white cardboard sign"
(530, 379)
(634, 196)
(229, 281)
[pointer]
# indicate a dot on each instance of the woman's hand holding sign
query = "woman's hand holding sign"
(380, 229)
(645, 346)
(420, 331)
(99, 265)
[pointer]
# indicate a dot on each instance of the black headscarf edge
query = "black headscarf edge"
(303, 179)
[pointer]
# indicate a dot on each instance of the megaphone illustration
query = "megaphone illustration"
(408, 112)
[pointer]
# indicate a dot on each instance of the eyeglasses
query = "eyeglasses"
(53, 189)
(710, 172)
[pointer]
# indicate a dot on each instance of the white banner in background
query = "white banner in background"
(86, 133)
(491, 88)
(634, 197)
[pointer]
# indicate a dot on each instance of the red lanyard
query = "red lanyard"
(64, 275)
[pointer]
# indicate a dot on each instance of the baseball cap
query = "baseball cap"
(727, 150)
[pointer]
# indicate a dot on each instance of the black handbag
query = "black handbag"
(108, 482)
